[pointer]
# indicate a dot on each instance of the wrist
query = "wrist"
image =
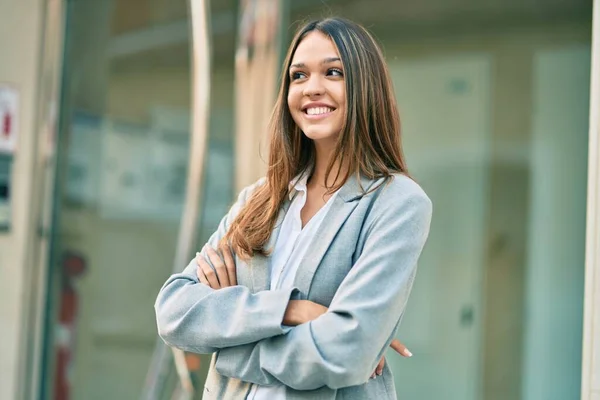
(302, 311)
(292, 311)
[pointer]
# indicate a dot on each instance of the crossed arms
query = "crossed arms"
(340, 347)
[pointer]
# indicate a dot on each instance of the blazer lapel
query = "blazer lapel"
(244, 275)
(344, 203)
(259, 267)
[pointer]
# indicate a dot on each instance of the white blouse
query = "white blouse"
(290, 247)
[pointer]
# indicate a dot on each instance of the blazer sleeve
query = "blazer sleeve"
(193, 317)
(342, 347)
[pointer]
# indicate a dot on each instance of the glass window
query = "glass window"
(123, 156)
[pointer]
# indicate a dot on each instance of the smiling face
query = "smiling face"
(317, 91)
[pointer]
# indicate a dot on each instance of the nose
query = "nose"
(314, 87)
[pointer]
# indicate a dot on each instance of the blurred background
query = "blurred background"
(494, 98)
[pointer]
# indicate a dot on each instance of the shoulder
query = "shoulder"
(400, 194)
(247, 192)
(403, 189)
(243, 197)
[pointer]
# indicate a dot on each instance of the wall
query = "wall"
(20, 43)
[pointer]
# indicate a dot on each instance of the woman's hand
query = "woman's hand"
(223, 274)
(400, 348)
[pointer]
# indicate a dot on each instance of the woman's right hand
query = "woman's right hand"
(223, 274)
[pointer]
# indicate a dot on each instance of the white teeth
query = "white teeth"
(318, 110)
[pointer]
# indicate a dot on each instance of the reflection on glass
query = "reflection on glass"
(256, 66)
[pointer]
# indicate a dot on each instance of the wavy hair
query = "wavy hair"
(368, 145)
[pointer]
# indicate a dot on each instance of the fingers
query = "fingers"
(379, 368)
(229, 264)
(206, 270)
(400, 348)
(222, 273)
(200, 273)
(220, 269)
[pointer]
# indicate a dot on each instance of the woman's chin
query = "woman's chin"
(321, 135)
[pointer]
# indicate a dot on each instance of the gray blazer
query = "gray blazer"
(361, 265)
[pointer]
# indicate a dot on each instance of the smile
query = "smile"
(318, 112)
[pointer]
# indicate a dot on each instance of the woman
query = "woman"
(315, 262)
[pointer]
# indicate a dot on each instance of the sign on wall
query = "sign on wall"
(9, 107)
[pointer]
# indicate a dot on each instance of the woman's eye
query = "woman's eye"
(297, 75)
(335, 72)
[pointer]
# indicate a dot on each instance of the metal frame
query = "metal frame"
(30, 373)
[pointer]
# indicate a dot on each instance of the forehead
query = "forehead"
(315, 45)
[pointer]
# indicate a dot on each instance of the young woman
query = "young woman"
(303, 286)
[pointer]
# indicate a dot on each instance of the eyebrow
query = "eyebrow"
(328, 60)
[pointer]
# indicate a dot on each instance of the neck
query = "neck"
(323, 157)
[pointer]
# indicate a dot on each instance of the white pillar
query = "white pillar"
(21, 27)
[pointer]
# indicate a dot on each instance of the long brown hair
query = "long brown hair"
(369, 143)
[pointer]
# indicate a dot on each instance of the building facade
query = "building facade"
(116, 177)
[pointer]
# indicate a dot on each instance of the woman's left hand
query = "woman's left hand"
(223, 274)
(399, 348)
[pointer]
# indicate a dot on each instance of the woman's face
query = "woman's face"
(317, 92)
